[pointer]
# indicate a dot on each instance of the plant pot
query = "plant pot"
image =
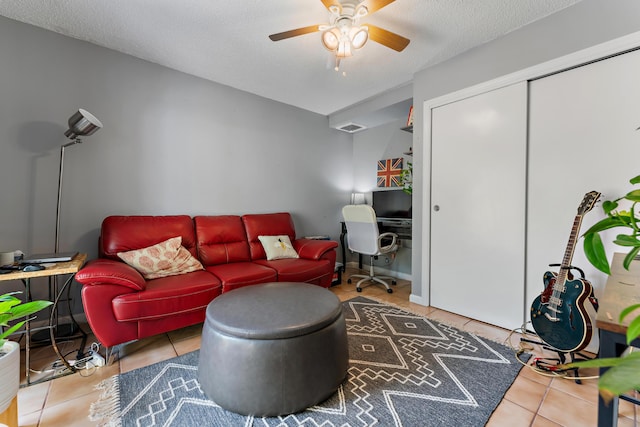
(9, 373)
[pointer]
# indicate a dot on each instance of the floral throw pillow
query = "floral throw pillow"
(278, 247)
(168, 258)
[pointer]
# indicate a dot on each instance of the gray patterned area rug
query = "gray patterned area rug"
(404, 370)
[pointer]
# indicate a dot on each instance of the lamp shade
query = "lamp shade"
(359, 36)
(358, 199)
(82, 123)
(331, 39)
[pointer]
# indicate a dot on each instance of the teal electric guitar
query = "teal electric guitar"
(558, 315)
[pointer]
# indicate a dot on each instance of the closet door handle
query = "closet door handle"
(436, 208)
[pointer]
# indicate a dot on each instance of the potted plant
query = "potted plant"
(624, 374)
(12, 308)
(406, 178)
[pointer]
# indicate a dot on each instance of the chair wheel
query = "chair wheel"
(359, 289)
(349, 281)
(393, 282)
(390, 291)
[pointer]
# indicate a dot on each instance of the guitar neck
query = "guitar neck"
(568, 253)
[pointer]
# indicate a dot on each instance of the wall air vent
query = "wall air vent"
(351, 128)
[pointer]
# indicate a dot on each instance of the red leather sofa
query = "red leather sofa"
(122, 306)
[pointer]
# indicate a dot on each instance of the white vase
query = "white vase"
(9, 373)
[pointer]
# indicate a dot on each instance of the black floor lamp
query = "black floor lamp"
(81, 123)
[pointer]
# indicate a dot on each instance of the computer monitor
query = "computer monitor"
(392, 204)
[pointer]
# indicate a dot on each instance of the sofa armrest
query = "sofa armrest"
(106, 271)
(313, 249)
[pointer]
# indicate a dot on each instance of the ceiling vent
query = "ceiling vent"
(351, 128)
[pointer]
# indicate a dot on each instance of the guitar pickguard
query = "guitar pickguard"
(548, 280)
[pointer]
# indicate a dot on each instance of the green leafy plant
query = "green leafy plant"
(12, 308)
(593, 246)
(406, 178)
(624, 372)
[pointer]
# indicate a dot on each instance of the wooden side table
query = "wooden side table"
(59, 269)
(621, 291)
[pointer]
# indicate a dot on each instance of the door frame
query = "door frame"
(581, 57)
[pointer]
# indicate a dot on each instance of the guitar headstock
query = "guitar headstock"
(588, 202)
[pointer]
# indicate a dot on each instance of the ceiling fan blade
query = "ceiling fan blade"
(329, 3)
(294, 33)
(387, 38)
(373, 5)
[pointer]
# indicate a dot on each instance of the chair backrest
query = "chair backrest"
(362, 229)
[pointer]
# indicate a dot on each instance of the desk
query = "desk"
(621, 291)
(61, 268)
(400, 226)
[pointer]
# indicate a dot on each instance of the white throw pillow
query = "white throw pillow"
(278, 247)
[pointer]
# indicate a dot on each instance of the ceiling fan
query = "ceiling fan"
(344, 34)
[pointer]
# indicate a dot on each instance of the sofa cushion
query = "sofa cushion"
(221, 239)
(299, 270)
(278, 247)
(266, 225)
(168, 258)
(239, 274)
(122, 233)
(167, 296)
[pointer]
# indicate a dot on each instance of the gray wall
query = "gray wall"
(171, 144)
(586, 24)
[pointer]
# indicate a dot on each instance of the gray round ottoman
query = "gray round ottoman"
(273, 349)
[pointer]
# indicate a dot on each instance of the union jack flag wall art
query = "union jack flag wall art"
(389, 172)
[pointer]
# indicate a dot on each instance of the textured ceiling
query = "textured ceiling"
(227, 42)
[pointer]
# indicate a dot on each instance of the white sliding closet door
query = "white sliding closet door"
(478, 206)
(583, 137)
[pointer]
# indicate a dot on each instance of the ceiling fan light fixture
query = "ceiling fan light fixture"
(359, 36)
(343, 34)
(344, 48)
(331, 39)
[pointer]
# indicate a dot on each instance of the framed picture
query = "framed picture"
(389, 172)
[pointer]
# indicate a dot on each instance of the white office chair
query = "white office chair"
(364, 238)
